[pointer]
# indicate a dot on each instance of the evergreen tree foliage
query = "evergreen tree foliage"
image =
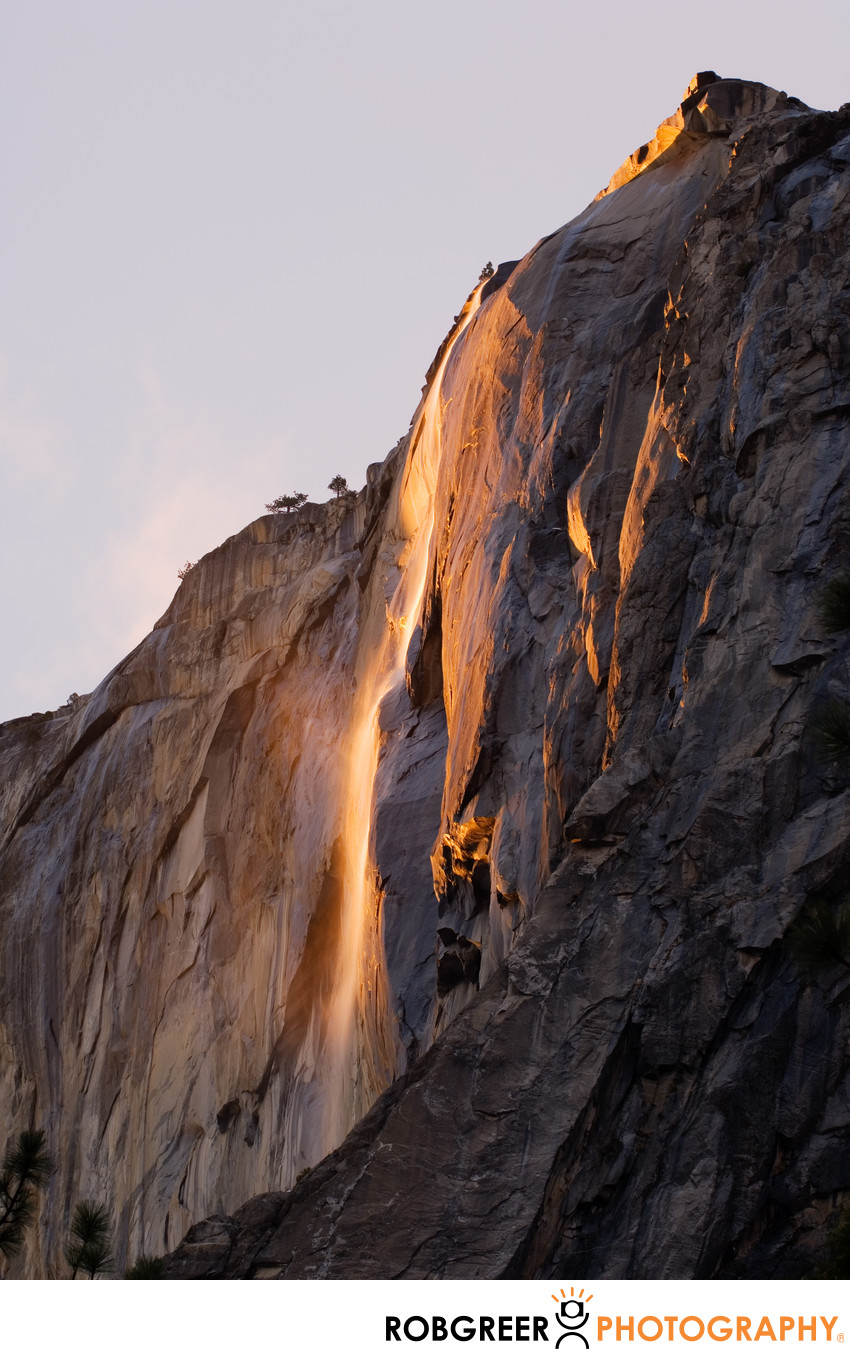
(147, 1268)
(830, 727)
(837, 1261)
(284, 504)
(834, 611)
(486, 272)
(820, 938)
(27, 1165)
(89, 1247)
(339, 485)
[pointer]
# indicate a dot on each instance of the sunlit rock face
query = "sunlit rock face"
(490, 787)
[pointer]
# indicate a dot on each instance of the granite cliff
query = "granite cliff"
(443, 841)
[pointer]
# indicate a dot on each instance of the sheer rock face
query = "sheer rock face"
(597, 809)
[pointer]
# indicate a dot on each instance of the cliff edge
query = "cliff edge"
(429, 869)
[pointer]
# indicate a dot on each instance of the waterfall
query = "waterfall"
(352, 1051)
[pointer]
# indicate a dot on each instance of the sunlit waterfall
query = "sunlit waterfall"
(361, 1053)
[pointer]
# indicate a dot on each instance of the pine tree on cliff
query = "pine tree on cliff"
(89, 1248)
(26, 1166)
(819, 938)
(830, 724)
(284, 504)
(147, 1268)
(339, 485)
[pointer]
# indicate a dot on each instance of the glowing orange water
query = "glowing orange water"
(363, 1054)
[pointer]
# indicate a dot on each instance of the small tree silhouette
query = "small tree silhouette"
(829, 725)
(820, 938)
(89, 1248)
(284, 504)
(339, 485)
(26, 1166)
(147, 1268)
(830, 729)
(834, 610)
(183, 572)
(486, 272)
(836, 1262)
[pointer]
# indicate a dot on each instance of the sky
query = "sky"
(236, 232)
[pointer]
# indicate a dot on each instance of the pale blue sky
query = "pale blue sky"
(236, 231)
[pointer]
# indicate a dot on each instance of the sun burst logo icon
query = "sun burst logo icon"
(572, 1314)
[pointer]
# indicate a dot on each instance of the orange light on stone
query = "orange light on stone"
(359, 1046)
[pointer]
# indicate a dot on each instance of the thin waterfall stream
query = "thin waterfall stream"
(362, 1053)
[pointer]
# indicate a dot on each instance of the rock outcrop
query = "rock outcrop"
(450, 834)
